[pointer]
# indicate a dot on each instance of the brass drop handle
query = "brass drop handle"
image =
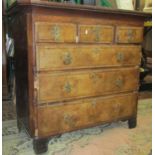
(120, 57)
(130, 34)
(67, 87)
(69, 120)
(96, 31)
(56, 32)
(67, 59)
(119, 82)
(94, 77)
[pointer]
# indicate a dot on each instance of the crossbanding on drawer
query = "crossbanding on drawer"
(59, 118)
(55, 32)
(129, 34)
(53, 87)
(52, 57)
(96, 33)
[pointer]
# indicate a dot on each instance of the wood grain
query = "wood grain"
(64, 117)
(61, 86)
(129, 34)
(55, 32)
(65, 57)
(95, 34)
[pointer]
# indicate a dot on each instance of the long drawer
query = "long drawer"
(63, 117)
(63, 57)
(53, 87)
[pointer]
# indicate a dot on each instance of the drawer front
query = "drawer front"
(96, 34)
(73, 115)
(76, 57)
(55, 32)
(129, 35)
(70, 85)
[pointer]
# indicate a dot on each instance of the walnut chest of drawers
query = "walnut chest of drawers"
(76, 66)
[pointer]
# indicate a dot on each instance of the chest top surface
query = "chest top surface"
(72, 7)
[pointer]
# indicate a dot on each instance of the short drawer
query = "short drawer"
(55, 32)
(50, 57)
(129, 34)
(64, 117)
(53, 87)
(95, 34)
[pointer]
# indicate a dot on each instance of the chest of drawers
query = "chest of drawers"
(76, 66)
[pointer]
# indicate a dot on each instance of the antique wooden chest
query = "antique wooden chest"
(76, 66)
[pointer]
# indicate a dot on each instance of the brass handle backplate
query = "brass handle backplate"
(130, 34)
(67, 59)
(67, 87)
(94, 77)
(56, 32)
(119, 82)
(120, 56)
(96, 31)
